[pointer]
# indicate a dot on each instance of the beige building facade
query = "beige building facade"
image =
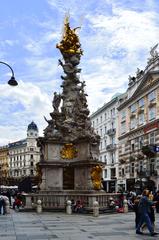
(138, 117)
(4, 165)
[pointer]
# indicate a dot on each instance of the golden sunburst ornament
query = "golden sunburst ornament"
(68, 151)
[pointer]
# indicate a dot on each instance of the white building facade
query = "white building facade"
(105, 123)
(24, 154)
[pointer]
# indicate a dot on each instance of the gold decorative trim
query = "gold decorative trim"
(96, 174)
(68, 151)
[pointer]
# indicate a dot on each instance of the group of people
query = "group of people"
(13, 198)
(144, 207)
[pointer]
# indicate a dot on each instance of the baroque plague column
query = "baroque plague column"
(70, 147)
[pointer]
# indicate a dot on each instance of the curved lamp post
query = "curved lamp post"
(12, 81)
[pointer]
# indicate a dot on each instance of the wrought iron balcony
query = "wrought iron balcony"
(131, 158)
(148, 150)
(113, 177)
(142, 174)
(111, 147)
(154, 173)
(111, 131)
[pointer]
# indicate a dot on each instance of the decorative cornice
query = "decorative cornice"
(140, 89)
(138, 129)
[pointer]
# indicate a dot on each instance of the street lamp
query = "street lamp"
(12, 81)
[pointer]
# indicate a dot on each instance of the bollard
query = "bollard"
(69, 207)
(125, 206)
(7, 209)
(39, 206)
(95, 209)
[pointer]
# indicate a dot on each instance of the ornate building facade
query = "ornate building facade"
(139, 129)
(24, 154)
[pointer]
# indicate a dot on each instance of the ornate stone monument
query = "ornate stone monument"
(70, 147)
(69, 167)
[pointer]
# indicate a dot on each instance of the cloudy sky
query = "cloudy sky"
(116, 36)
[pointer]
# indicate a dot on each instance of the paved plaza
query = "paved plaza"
(47, 226)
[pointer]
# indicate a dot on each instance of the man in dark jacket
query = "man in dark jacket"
(2, 205)
(144, 210)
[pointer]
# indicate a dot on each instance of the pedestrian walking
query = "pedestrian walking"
(2, 205)
(135, 209)
(156, 198)
(144, 211)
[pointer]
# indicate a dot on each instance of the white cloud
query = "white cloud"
(35, 104)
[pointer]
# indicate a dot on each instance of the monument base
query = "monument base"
(56, 200)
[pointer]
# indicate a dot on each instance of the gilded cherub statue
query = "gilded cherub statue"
(96, 174)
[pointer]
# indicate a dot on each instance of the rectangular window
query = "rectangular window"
(132, 123)
(141, 102)
(132, 168)
(113, 140)
(113, 172)
(101, 119)
(152, 166)
(105, 173)
(141, 166)
(152, 138)
(152, 113)
(101, 146)
(123, 127)
(141, 142)
(101, 132)
(105, 129)
(141, 118)
(122, 148)
(151, 96)
(112, 158)
(31, 149)
(105, 159)
(133, 108)
(123, 115)
(132, 147)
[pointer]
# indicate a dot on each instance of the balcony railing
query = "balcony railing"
(113, 177)
(142, 174)
(111, 131)
(147, 173)
(148, 150)
(111, 147)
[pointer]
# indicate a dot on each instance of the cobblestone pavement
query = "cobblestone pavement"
(51, 226)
